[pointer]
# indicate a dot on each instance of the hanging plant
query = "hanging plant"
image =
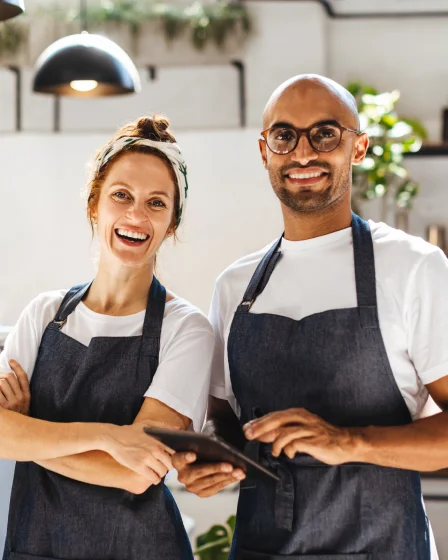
(12, 35)
(211, 22)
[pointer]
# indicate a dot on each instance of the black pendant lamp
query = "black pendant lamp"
(10, 8)
(85, 65)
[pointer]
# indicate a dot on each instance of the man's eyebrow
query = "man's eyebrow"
(285, 124)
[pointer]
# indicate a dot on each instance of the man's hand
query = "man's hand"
(298, 431)
(134, 449)
(206, 479)
(15, 389)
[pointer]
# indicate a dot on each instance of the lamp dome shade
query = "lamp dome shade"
(76, 61)
(10, 8)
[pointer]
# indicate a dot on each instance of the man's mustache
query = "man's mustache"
(322, 165)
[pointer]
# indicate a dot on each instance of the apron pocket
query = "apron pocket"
(249, 555)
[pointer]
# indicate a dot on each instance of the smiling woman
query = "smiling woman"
(94, 364)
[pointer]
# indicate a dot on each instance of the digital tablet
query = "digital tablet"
(209, 449)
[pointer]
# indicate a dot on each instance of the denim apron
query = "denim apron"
(334, 364)
(54, 517)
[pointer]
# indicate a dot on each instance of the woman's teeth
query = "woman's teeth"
(132, 235)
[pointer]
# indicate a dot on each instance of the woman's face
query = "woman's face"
(135, 209)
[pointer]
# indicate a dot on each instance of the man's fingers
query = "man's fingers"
(257, 428)
(189, 475)
(212, 490)
(22, 377)
(211, 484)
(182, 460)
(286, 436)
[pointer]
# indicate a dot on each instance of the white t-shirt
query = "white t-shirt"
(181, 380)
(318, 274)
(186, 346)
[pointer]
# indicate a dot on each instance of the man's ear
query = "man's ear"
(360, 148)
(262, 146)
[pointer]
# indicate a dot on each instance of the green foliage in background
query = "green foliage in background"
(391, 136)
(205, 22)
(12, 35)
(216, 542)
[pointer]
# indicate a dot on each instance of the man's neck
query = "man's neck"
(307, 225)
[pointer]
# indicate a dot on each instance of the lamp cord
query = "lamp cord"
(83, 14)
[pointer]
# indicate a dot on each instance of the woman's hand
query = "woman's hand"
(145, 455)
(15, 389)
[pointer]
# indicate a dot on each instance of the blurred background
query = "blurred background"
(210, 67)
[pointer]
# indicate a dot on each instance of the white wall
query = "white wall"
(45, 238)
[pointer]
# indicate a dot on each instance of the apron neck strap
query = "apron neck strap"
(364, 272)
(70, 301)
(152, 325)
(261, 276)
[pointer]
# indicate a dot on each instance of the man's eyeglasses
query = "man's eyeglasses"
(324, 137)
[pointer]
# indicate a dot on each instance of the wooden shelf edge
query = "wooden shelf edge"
(430, 150)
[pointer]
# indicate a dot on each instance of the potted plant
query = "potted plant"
(382, 174)
(216, 542)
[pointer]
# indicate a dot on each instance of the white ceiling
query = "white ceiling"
(389, 6)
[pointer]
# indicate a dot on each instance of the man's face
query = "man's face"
(306, 180)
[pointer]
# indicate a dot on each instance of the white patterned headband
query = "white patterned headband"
(170, 149)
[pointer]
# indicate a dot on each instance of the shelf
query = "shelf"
(435, 474)
(430, 150)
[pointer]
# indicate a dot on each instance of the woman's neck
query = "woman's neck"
(119, 291)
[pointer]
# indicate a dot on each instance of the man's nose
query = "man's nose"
(304, 152)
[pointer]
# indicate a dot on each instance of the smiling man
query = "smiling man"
(329, 343)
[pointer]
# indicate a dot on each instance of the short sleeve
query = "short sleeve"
(22, 343)
(218, 374)
(426, 317)
(183, 377)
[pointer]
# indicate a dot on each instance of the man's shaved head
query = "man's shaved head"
(293, 89)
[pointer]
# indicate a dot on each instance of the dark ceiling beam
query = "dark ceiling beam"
(372, 15)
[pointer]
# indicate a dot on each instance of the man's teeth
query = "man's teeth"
(304, 175)
(132, 234)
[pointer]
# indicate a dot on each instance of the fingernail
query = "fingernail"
(248, 433)
(190, 457)
(239, 475)
(227, 468)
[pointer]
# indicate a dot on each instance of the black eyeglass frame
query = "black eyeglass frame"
(300, 131)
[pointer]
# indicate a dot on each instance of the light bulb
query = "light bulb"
(83, 85)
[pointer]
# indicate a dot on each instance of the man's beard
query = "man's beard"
(311, 201)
